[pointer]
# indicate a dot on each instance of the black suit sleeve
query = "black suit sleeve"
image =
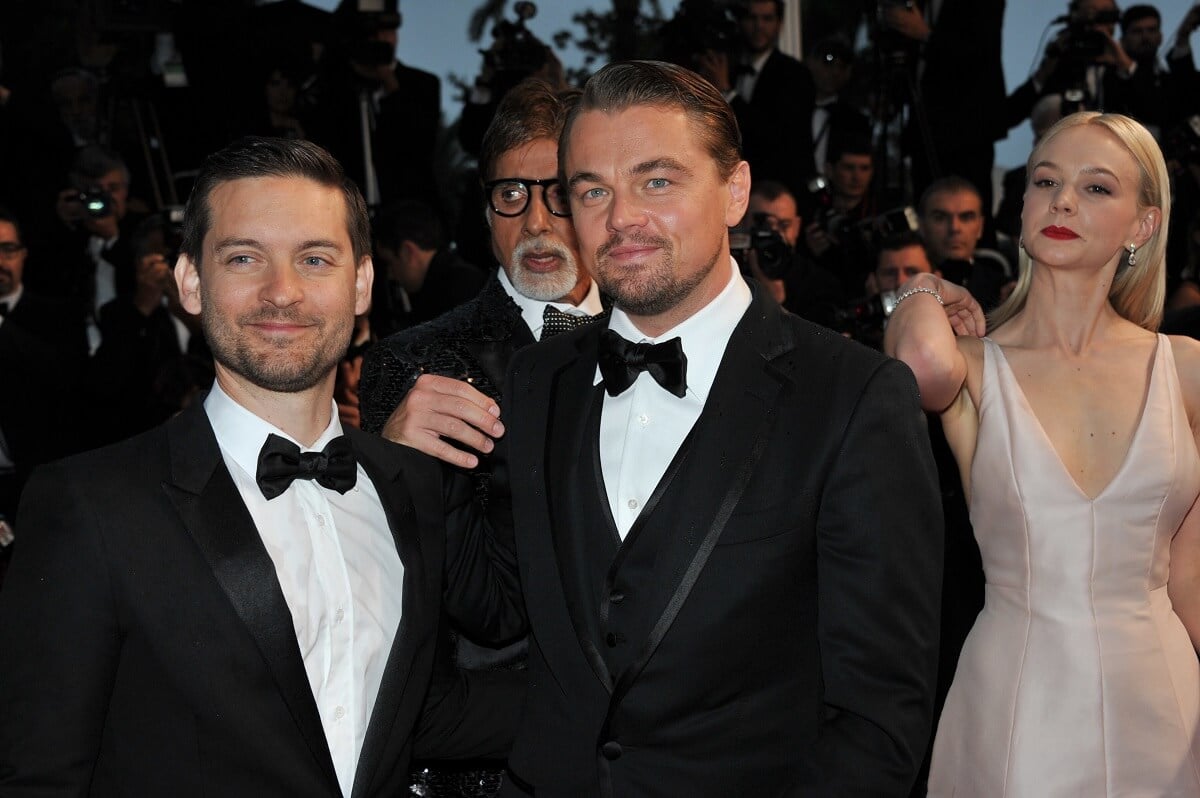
(483, 590)
(60, 643)
(470, 714)
(879, 561)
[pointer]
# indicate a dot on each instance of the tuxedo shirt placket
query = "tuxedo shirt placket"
(340, 574)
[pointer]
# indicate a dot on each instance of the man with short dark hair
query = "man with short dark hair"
(726, 518)
(951, 222)
(244, 601)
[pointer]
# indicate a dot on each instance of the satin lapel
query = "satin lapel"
(571, 395)
(214, 514)
(733, 430)
(411, 498)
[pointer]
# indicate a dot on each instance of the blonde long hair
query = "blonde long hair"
(1138, 292)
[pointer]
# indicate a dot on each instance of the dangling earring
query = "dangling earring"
(1131, 258)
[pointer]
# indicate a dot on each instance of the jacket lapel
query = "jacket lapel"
(214, 514)
(734, 428)
(411, 499)
(566, 443)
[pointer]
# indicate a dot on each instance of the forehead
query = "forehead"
(1143, 25)
(278, 209)
(633, 135)
(537, 160)
(760, 9)
(782, 206)
(1092, 6)
(854, 159)
(8, 233)
(1088, 146)
(955, 201)
(907, 257)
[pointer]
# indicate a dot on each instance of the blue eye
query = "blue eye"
(594, 194)
(658, 182)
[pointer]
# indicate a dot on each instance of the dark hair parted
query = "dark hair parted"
(531, 110)
(624, 84)
(259, 156)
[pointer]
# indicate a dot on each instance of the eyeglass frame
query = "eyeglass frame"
(529, 183)
(11, 249)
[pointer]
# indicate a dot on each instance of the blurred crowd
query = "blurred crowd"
(868, 166)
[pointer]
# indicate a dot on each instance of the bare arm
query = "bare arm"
(440, 408)
(1183, 584)
(921, 332)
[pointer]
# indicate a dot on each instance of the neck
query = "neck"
(304, 414)
(579, 292)
(1068, 311)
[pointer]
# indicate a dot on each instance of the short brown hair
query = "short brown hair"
(624, 84)
(531, 110)
(260, 156)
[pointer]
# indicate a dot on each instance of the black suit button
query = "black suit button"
(611, 750)
(616, 597)
(611, 639)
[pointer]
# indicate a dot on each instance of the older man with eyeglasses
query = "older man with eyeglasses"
(437, 387)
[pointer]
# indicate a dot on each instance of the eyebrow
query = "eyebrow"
(254, 243)
(1089, 170)
(658, 165)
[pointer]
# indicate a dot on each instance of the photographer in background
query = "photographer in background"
(1084, 63)
(762, 84)
(951, 220)
(378, 117)
(86, 255)
(899, 257)
(764, 245)
(840, 203)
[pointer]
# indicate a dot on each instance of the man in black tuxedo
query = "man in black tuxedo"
(727, 518)
(243, 602)
(416, 384)
(42, 353)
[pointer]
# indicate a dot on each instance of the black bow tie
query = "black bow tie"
(620, 362)
(555, 321)
(281, 461)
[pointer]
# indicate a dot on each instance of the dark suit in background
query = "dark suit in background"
(773, 123)
(147, 648)
(755, 633)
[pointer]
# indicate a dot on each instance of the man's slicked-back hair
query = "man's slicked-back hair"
(258, 156)
(531, 110)
(624, 84)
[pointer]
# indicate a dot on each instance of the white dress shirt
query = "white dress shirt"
(643, 427)
(532, 310)
(338, 568)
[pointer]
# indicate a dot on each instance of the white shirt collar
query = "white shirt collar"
(532, 309)
(12, 299)
(241, 434)
(704, 334)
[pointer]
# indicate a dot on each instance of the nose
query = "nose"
(624, 212)
(282, 286)
(1063, 200)
(537, 215)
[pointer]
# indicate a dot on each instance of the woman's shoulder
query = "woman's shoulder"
(1186, 351)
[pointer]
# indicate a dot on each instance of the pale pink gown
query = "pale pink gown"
(1077, 679)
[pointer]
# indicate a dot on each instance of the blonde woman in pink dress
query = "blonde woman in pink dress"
(1074, 425)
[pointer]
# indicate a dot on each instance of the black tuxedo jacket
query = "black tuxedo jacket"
(769, 626)
(147, 649)
(776, 123)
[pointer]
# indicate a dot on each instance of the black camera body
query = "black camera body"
(868, 232)
(699, 26)
(1083, 44)
(773, 254)
(359, 21)
(515, 53)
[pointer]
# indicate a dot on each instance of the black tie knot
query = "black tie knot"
(280, 462)
(555, 321)
(621, 361)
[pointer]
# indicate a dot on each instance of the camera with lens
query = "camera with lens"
(865, 318)
(865, 234)
(515, 53)
(97, 203)
(773, 254)
(1083, 44)
(699, 26)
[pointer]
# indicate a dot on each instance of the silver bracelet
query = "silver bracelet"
(920, 289)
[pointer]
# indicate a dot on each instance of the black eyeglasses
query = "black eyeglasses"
(509, 196)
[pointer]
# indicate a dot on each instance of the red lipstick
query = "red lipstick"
(1060, 233)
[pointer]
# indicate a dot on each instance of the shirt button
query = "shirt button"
(644, 419)
(632, 504)
(611, 639)
(339, 713)
(611, 750)
(616, 597)
(320, 520)
(341, 615)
